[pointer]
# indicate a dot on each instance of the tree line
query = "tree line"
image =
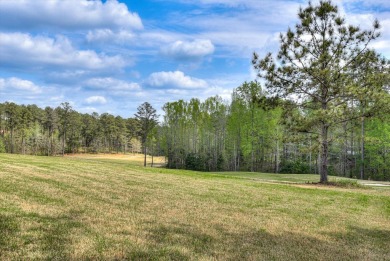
(249, 133)
(56, 131)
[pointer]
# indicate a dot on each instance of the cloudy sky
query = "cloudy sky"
(111, 56)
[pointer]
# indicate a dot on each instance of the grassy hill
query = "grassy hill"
(94, 207)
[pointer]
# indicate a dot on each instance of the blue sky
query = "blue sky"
(111, 56)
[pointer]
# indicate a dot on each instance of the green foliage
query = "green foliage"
(194, 162)
(147, 118)
(296, 167)
(31, 130)
(2, 145)
(195, 132)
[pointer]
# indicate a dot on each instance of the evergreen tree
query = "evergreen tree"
(64, 112)
(314, 70)
(147, 117)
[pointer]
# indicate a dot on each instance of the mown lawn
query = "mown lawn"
(90, 208)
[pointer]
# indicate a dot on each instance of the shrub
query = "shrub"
(2, 146)
(295, 167)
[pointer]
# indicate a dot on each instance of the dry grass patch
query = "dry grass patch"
(132, 157)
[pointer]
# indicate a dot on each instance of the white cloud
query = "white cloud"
(157, 37)
(88, 109)
(250, 25)
(135, 74)
(69, 14)
(183, 50)
(242, 46)
(58, 99)
(263, 4)
(27, 51)
(67, 76)
(175, 79)
(16, 84)
(107, 35)
(228, 3)
(96, 100)
(365, 3)
(365, 21)
(246, 26)
(381, 45)
(112, 84)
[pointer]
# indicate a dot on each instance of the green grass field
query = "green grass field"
(102, 208)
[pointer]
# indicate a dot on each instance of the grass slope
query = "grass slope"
(100, 208)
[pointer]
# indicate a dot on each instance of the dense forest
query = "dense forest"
(56, 131)
(324, 108)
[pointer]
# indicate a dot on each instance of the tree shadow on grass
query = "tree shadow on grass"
(259, 245)
(56, 235)
(376, 239)
(48, 237)
(8, 231)
(166, 243)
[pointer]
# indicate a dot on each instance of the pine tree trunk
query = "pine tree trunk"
(152, 155)
(63, 145)
(12, 140)
(277, 160)
(324, 154)
(345, 150)
(362, 148)
(23, 146)
(352, 168)
(252, 137)
(145, 155)
(310, 155)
